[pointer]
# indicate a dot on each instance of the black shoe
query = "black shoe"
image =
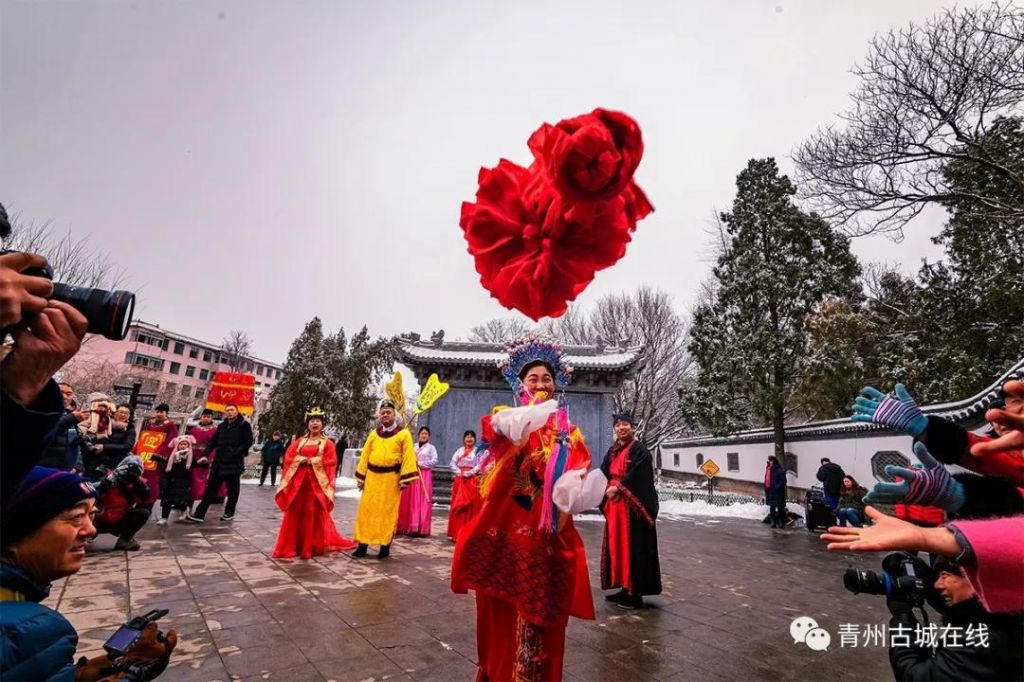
(617, 597)
(631, 602)
(360, 551)
(385, 552)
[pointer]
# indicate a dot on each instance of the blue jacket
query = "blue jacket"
(776, 494)
(36, 642)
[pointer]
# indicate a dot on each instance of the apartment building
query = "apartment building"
(177, 367)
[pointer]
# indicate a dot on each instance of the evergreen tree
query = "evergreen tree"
(304, 383)
(776, 268)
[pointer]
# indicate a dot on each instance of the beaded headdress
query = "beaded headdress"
(533, 347)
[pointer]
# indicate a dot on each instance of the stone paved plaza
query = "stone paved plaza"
(732, 587)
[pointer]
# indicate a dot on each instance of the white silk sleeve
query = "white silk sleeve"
(576, 490)
(516, 423)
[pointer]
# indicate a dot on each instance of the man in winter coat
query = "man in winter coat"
(831, 477)
(231, 442)
(271, 454)
(775, 492)
(987, 646)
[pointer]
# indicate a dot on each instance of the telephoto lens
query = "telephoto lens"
(109, 312)
(867, 582)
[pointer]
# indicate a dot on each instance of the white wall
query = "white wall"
(852, 454)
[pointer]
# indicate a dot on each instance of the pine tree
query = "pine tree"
(777, 266)
(304, 383)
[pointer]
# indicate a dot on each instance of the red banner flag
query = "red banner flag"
(229, 388)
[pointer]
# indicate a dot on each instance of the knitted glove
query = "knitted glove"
(897, 411)
(930, 485)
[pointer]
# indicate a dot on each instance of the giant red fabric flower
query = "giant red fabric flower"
(540, 234)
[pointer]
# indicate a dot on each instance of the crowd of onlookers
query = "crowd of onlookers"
(49, 513)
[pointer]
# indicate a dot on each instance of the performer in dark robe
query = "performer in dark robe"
(629, 553)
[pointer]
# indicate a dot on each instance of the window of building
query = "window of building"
(171, 387)
(278, 374)
(700, 459)
(259, 370)
(147, 361)
(193, 353)
(151, 340)
(204, 374)
(791, 463)
(675, 459)
(179, 348)
(135, 335)
(200, 392)
(175, 367)
(185, 388)
(207, 356)
(882, 458)
(190, 371)
(732, 461)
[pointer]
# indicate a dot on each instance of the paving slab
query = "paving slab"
(732, 587)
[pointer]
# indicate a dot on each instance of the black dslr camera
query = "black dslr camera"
(109, 312)
(904, 576)
(122, 640)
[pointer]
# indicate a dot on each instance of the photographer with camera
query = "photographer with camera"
(972, 643)
(45, 335)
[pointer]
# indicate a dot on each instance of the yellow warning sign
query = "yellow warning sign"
(709, 468)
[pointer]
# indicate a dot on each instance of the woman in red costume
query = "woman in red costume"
(521, 554)
(306, 495)
(466, 501)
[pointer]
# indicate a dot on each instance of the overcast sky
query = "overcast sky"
(253, 164)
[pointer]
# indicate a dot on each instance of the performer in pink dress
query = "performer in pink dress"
(202, 456)
(414, 511)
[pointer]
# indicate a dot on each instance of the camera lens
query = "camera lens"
(109, 312)
(867, 582)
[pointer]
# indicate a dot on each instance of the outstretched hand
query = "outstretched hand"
(898, 410)
(886, 533)
(929, 485)
(1013, 440)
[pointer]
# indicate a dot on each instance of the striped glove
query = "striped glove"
(896, 410)
(930, 485)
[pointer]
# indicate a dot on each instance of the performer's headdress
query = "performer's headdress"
(387, 402)
(316, 413)
(529, 349)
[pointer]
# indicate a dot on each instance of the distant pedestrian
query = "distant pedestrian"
(271, 454)
(775, 492)
(831, 477)
(851, 503)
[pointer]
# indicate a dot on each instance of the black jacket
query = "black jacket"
(831, 476)
(273, 451)
(25, 433)
(1002, 659)
(57, 453)
(775, 494)
(232, 442)
(118, 446)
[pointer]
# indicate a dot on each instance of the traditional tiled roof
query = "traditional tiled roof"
(967, 412)
(488, 354)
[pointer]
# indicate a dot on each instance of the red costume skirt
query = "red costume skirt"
(466, 503)
(509, 648)
(307, 529)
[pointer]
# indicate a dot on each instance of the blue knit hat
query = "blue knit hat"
(41, 496)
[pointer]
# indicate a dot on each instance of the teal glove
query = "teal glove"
(930, 485)
(896, 410)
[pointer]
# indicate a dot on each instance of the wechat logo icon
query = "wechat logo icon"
(805, 630)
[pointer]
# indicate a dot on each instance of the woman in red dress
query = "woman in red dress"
(306, 495)
(466, 501)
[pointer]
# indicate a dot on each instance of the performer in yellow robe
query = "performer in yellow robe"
(386, 465)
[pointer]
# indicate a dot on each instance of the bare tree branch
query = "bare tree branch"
(927, 96)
